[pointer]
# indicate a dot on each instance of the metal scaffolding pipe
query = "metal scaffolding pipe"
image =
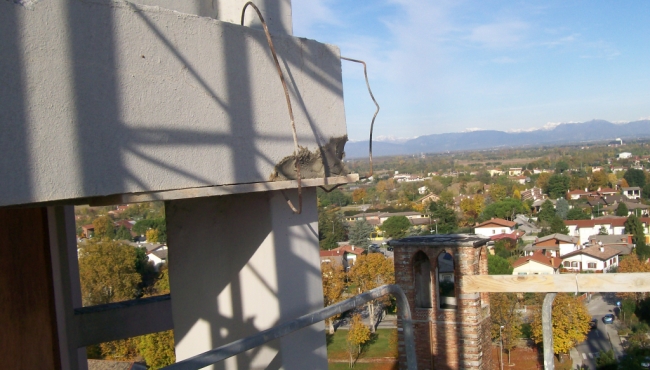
(221, 353)
(547, 330)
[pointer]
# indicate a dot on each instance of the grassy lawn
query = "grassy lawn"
(378, 346)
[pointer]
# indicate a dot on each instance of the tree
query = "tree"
(577, 214)
(606, 361)
(123, 234)
(634, 226)
(360, 234)
(333, 287)
(104, 227)
(603, 231)
(542, 181)
(558, 185)
(645, 193)
(157, 349)
(635, 177)
(621, 210)
(369, 272)
(107, 271)
(498, 265)
(561, 208)
(558, 226)
(358, 334)
(506, 209)
(472, 208)
(444, 218)
(561, 166)
(331, 229)
(599, 179)
(547, 212)
(359, 195)
(158, 224)
(632, 263)
(497, 192)
(570, 320)
(152, 236)
(395, 227)
(503, 309)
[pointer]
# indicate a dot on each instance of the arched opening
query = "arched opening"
(446, 281)
(422, 276)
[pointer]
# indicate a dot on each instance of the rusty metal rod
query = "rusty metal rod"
(296, 149)
(221, 353)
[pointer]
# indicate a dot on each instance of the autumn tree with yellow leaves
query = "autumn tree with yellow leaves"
(357, 335)
(570, 321)
(632, 263)
(333, 287)
(503, 310)
(369, 272)
(472, 208)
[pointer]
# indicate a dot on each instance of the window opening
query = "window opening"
(446, 283)
(422, 275)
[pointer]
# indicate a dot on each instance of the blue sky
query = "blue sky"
(451, 66)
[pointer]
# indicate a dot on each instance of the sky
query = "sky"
(453, 66)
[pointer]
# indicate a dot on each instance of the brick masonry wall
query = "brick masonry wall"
(448, 339)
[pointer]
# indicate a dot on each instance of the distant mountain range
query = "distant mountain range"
(565, 133)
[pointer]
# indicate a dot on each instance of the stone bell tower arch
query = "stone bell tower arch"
(451, 326)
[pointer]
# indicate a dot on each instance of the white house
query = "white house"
(624, 155)
(583, 229)
(633, 192)
(556, 245)
(594, 258)
(536, 264)
(495, 226)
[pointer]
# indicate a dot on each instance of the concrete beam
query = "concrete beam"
(569, 283)
(104, 323)
(107, 97)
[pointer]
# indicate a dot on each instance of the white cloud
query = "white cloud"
(499, 35)
(312, 13)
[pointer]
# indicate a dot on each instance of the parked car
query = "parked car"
(608, 319)
(593, 323)
(389, 248)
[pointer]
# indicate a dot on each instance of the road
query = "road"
(599, 338)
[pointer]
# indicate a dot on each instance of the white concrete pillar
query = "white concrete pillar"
(240, 264)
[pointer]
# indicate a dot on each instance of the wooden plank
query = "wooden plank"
(29, 337)
(210, 191)
(103, 323)
(626, 282)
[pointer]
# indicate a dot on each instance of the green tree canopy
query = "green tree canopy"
(123, 234)
(561, 166)
(645, 192)
(634, 226)
(360, 234)
(558, 185)
(444, 218)
(561, 208)
(558, 226)
(506, 209)
(499, 266)
(395, 227)
(547, 212)
(635, 177)
(331, 229)
(158, 224)
(576, 213)
(621, 210)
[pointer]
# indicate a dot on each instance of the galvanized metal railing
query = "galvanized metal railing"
(221, 353)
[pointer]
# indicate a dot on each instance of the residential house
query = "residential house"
(520, 179)
(533, 194)
(614, 226)
(556, 245)
(621, 242)
(536, 264)
(624, 155)
(346, 255)
(577, 194)
(595, 258)
(494, 226)
(633, 192)
(495, 172)
(428, 199)
(514, 172)
(633, 208)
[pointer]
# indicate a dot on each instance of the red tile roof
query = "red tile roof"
(538, 257)
(341, 250)
(595, 251)
(614, 221)
(497, 222)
